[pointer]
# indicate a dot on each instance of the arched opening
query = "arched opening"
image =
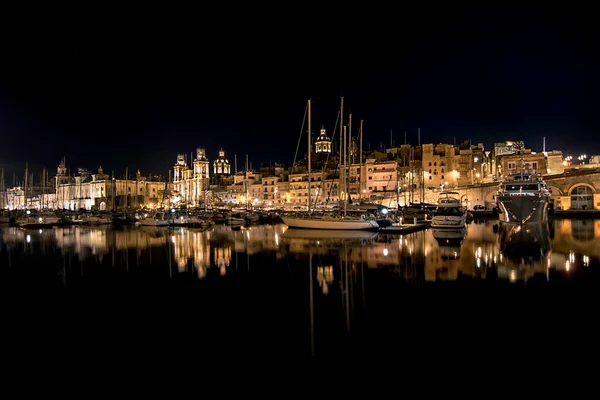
(102, 206)
(555, 190)
(582, 197)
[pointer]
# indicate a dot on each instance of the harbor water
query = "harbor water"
(270, 290)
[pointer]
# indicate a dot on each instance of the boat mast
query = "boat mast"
(309, 151)
(25, 189)
(345, 173)
(246, 182)
(350, 149)
(43, 188)
(2, 189)
(360, 182)
(342, 150)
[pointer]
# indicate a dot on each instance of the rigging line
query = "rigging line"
(300, 137)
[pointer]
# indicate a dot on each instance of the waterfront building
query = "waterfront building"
(100, 191)
(191, 185)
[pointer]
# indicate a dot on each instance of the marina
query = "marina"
(252, 186)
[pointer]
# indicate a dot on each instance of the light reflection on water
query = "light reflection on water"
(331, 289)
(507, 252)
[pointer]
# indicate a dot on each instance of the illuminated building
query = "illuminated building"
(191, 185)
(101, 192)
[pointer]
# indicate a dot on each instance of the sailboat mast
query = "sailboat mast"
(350, 149)
(345, 180)
(2, 190)
(360, 162)
(43, 188)
(309, 151)
(126, 188)
(342, 142)
(25, 189)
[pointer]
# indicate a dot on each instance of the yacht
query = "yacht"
(159, 218)
(449, 213)
(523, 197)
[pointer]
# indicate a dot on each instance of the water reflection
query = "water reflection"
(338, 283)
(511, 252)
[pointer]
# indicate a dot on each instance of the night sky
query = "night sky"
(125, 93)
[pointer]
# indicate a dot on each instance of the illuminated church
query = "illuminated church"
(191, 184)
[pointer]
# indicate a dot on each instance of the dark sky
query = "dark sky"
(134, 92)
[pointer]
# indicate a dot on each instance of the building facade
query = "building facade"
(191, 185)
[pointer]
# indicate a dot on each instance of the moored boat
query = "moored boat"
(449, 212)
(523, 197)
(331, 223)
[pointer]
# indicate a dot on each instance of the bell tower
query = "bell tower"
(61, 173)
(201, 164)
(179, 168)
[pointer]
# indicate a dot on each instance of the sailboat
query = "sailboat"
(342, 222)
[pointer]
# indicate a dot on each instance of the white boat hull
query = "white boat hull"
(330, 223)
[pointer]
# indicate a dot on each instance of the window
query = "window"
(442, 175)
(435, 163)
(442, 170)
(430, 163)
